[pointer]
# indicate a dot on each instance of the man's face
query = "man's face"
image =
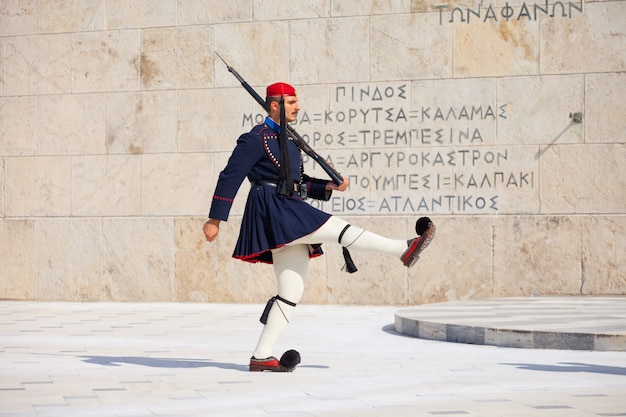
(292, 107)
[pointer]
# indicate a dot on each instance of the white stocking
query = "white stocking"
(290, 266)
(354, 238)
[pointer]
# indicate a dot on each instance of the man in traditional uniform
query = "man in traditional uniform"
(280, 228)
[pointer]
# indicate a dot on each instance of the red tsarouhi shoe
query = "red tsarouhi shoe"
(417, 245)
(287, 363)
(267, 364)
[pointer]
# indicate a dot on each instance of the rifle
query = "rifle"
(297, 139)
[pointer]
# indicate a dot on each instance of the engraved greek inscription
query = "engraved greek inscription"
(414, 156)
(401, 204)
(506, 13)
(370, 93)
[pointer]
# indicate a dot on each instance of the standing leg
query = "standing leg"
(290, 266)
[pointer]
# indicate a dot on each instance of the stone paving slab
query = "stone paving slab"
(190, 360)
(575, 323)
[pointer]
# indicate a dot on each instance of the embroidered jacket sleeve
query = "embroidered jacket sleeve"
(316, 188)
(247, 152)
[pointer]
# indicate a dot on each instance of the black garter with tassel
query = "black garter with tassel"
(349, 265)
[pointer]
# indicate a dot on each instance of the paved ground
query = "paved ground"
(182, 360)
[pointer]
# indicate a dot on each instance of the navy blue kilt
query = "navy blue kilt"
(271, 221)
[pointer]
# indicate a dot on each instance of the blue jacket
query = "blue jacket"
(257, 157)
(269, 220)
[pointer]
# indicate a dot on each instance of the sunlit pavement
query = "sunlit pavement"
(141, 359)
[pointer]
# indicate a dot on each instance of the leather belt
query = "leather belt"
(296, 186)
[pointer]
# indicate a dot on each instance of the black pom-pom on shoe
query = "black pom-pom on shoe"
(289, 360)
(422, 224)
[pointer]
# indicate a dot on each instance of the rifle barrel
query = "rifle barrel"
(298, 140)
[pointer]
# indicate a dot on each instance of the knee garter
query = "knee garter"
(269, 305)
(349, 265)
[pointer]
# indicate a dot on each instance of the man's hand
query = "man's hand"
(332, 186)
(211, 229)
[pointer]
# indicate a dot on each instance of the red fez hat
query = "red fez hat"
(280, 90)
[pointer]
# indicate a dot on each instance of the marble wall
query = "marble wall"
(503, 121)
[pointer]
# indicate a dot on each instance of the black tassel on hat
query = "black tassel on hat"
(285, 181)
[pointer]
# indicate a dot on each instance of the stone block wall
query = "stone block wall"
(505, 122)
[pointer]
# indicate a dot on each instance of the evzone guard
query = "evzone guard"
(280, 228)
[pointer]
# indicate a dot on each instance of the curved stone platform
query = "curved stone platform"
(575, 323)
